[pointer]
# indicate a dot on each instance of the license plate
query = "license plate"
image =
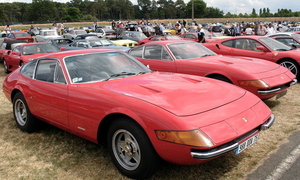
(244, 145)
(283, 93)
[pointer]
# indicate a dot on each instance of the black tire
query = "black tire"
(23, 117)
(292, 66)
(131, 150)
(5, 67)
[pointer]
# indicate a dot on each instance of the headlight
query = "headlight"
(254, 83)
(190, 138)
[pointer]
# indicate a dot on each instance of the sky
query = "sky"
(232, 6)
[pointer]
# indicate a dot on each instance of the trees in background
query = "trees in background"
(100, 10)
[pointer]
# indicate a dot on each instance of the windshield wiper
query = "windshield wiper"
(120, 74)
(207, 55)
(280, 49)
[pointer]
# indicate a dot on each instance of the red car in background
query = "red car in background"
(159, 38)
(7, 46)
(144, 117)
(264, 79)
(19, 36)
(259, 47)
(24, 53)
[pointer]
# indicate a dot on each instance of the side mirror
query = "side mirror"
(62, 48)
(261, 48)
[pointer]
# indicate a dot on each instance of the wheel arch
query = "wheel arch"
(219, 77)
(107, 121)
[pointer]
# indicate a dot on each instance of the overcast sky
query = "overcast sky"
(232, 6)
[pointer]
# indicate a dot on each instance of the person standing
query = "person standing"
(113, 25)
(262, 30)
(183, 30)
(95, 25)
(237, 29)
(7, 30)
(270, 29)
(201, 34)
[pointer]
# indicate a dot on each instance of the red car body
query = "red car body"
(6, 46)
(19, 36)
(24, 53)
(159, 38)
(264, 79)
(137, 111)
(258, 47)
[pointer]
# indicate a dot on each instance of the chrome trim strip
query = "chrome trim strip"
(269, 123)
(265, 92)
(294, 81)
(208, 155)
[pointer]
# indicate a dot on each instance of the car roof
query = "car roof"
(9, 43)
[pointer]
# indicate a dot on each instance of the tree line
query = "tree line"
(45, 11)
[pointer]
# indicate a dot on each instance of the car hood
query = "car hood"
(179, 94)
(248, 64)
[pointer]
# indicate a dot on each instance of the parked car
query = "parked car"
(193, 58)
(47, 34)
(6, 46)
(159, 38)
(33, 32)
(60, 42)
(105, 33)
(132, 35)
(292, 29)
(258, 47)
(72, 34)
(125, 42)
(293, 42)
(108, 96)
(19, 36)
(86, 36)
(24, 53)
(95, 43)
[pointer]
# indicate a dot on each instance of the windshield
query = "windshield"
(99, 43)
(105, 66)
(274, 45)
(39, 49)
(296, 36)
(22, 34)
(189, 50)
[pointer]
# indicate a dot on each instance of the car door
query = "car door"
(14, 58)
(49, 92)
(248, 48)
(156, 57)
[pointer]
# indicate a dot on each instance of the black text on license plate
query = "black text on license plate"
(279, 95)
(244, 145)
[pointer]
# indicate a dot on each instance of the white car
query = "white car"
(72, 34)
(44, 35)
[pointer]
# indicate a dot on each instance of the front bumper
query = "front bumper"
(277, 89)
(215, 152)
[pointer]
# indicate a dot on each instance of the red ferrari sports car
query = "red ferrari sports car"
(101, 94)
(259, 47)
(7, 45)
(159, 38)
(264, 79)
(19, 36)
(24, 53)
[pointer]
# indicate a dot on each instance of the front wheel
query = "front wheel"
(292, 66)
(5, 66)
(131, 150)
(24, 119)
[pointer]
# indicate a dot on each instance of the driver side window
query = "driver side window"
(49, 71)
